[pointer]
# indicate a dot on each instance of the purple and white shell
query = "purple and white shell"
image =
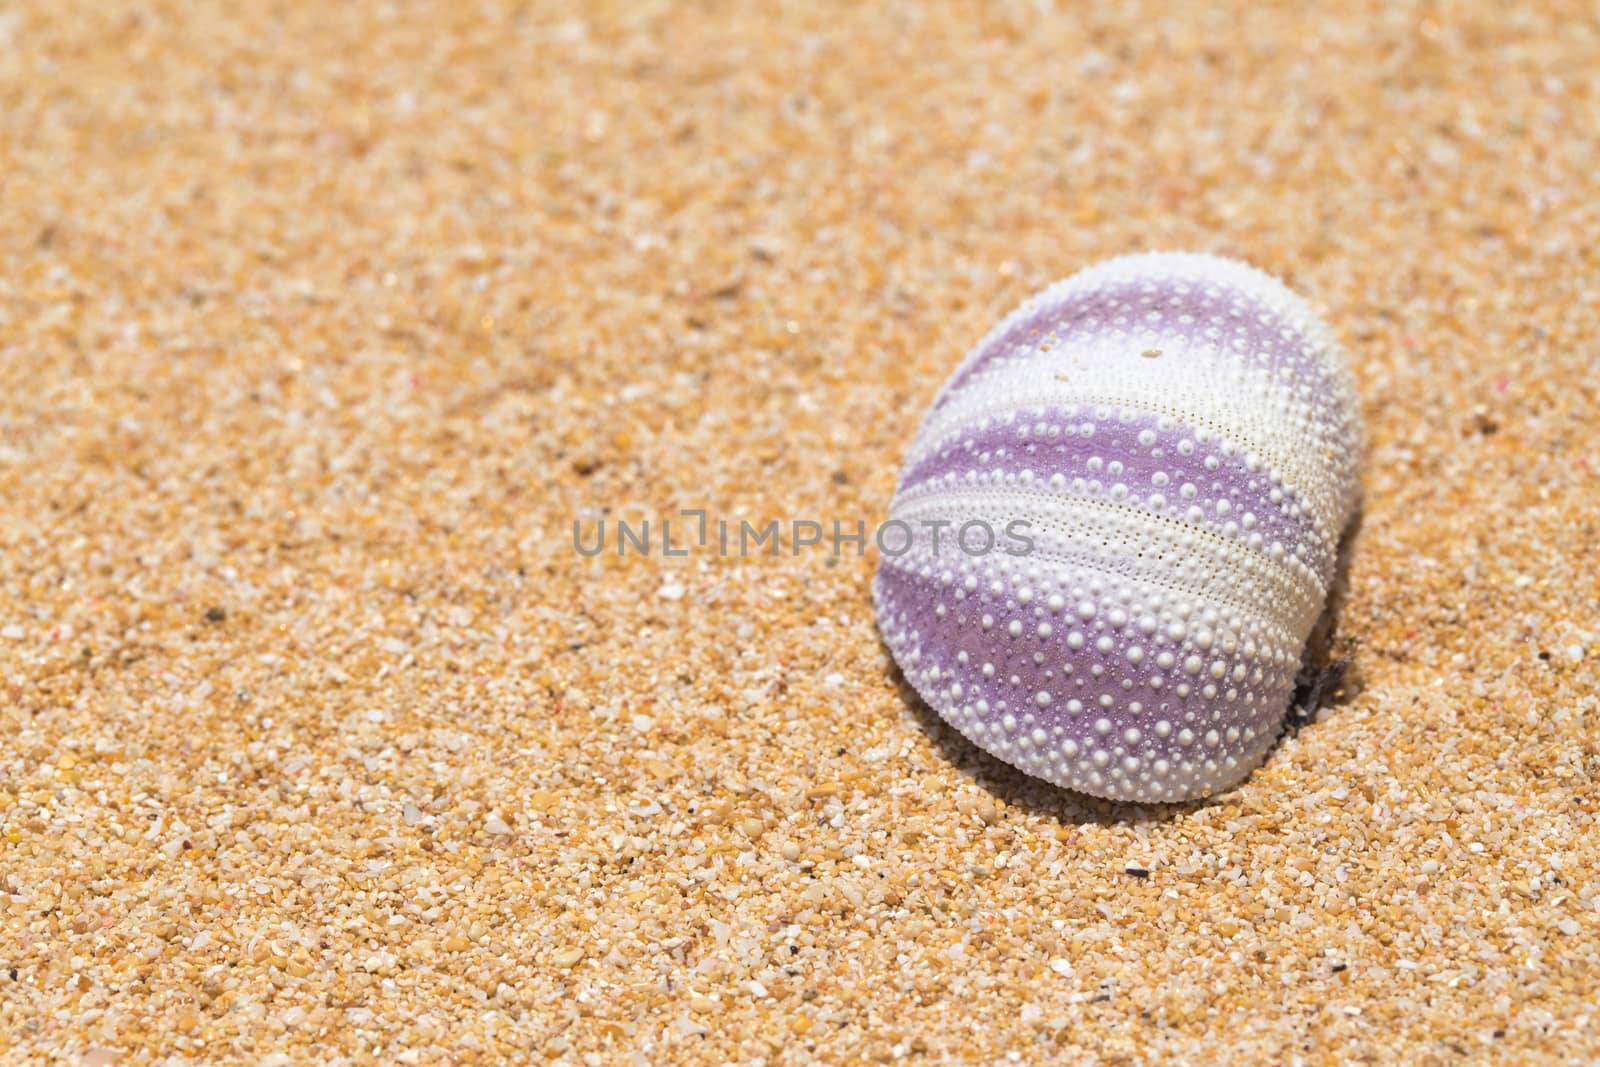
(1121, 518)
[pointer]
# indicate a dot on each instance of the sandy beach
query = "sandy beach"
(321, 325)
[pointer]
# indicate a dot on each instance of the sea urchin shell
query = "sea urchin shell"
(1121, 517)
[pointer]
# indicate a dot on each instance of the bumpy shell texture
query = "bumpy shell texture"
(1120, 519)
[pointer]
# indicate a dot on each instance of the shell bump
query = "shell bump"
(1120, 520)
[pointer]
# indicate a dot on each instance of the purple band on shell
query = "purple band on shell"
(1160, 469)
(1187, 309)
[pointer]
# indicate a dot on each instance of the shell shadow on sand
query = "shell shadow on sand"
(1324, 683)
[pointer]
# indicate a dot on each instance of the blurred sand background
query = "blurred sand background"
(320, 323)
